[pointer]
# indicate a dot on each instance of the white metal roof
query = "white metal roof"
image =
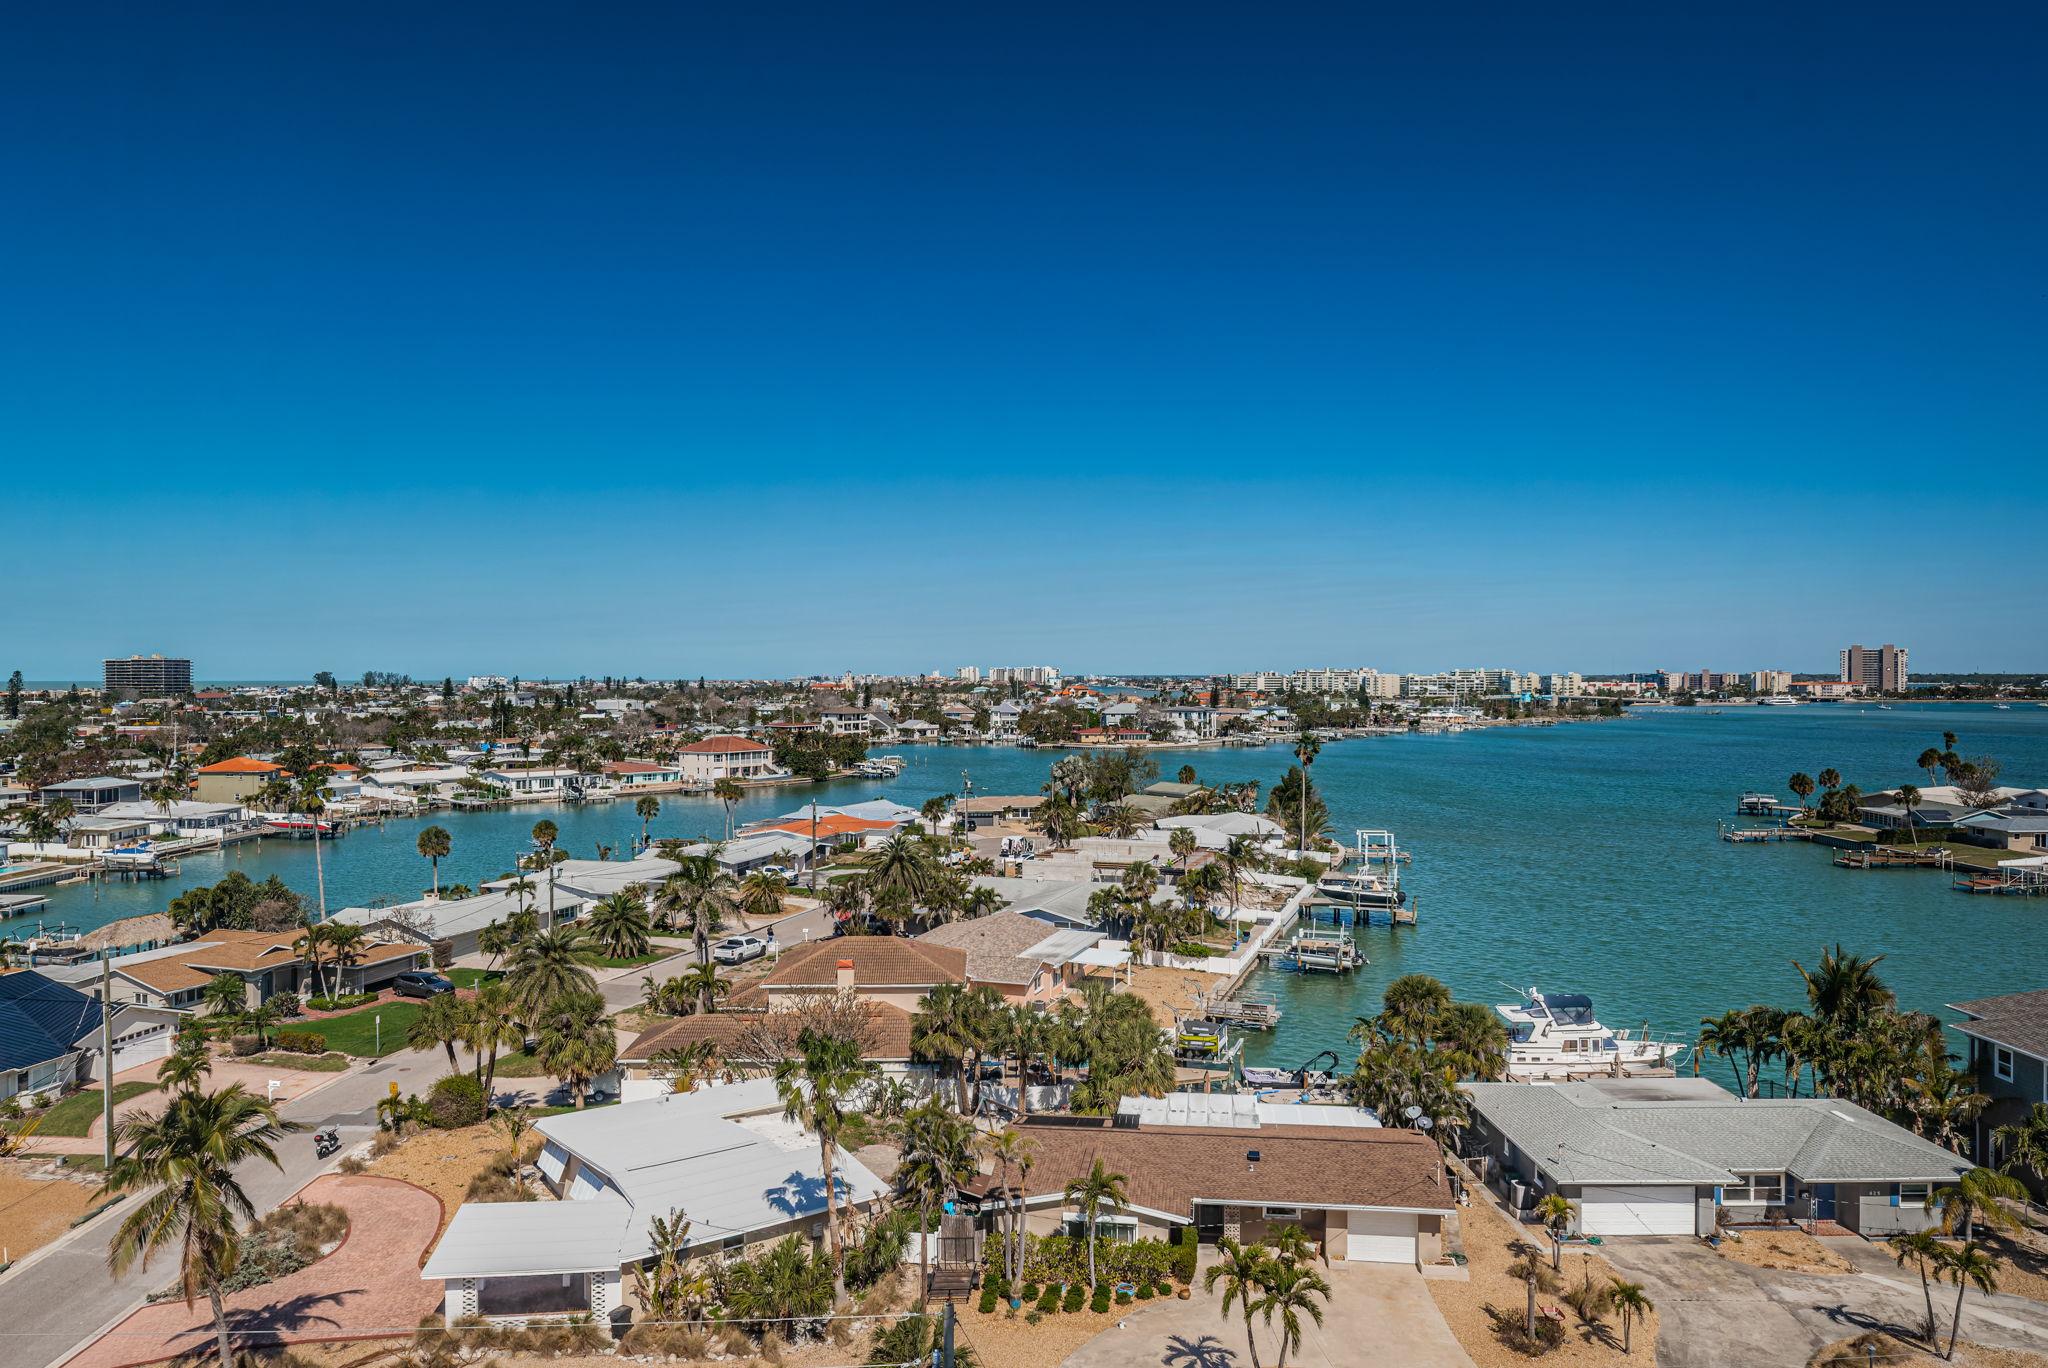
(1062, 946)
(508, 1239)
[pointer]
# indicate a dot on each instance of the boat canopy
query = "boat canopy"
(1569, 1009)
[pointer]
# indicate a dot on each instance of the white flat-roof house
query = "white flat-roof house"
(723, 1156)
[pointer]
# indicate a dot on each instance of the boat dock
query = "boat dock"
(2023, 882)
(1339, 913)
(21, 904)
(1758, 835)
(1888, 857)
(1248, 1012)
(37, 875)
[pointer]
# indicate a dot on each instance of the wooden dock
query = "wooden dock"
(1885, 857)
(1757, 835)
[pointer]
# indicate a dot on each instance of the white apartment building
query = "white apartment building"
(1567, 685)
(970, 673)
(724, 757)
(1768, 682)
(1023, 674)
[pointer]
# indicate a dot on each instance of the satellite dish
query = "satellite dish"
(1411, 1112)
(1425, 1123)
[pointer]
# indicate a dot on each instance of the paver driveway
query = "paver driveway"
(1384, 1306)
(1713, 1311)
(371, 1283)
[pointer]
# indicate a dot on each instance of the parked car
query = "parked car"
(421, 984)
(740, 949)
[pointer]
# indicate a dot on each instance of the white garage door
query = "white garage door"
(1636, 1211)
(1379, 1237)
(142, 1047)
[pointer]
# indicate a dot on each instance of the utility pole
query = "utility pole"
(107, 1060)
(946, 1345)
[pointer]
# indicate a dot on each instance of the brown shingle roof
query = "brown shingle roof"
(993, 944)
(2018, 1021)
(878, 962)
(1170, 1168)
(165, 975)
(891, 1033)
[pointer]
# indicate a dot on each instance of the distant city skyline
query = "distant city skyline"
(1131, 337)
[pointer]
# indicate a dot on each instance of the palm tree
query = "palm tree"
(1930, 760)
(762, 892)
(185, 1157)
(1801, 784)
(1924, 1250)
(443, 1020)
(938, 1159)
(1830, 778)
(312, 800)
(547, 966)
(311, 944)
(1633, 1303)
(1306, 749)
(1242, 1271)
(704, 986)
(728, 791)
(434, 844)
(1008, 1149)
(901, 864)
(184, 1067)
(1240, 854)
(1964, 1267)
(619, 924)
(1844, 989)
(816, 1084)
(574, 1040)
(2024, 1144)
(1556, 1212)
(949, 1026)
(1909, 798)
(495, 1023)
(545, 834)
(647, 808)
(1411, 1006)
(226, 995)
(1977, 1198)
(1090, 1194)
(1292, 1289)
(344, 947)
(698, 894)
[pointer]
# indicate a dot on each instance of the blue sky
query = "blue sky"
(774, 338)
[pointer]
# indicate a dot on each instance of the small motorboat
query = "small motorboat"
(1360, 888)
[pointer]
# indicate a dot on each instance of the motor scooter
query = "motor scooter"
(326, 1142)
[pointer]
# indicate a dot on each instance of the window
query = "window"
(1765, 1189)
(2001, 1063)
(1914, 1194)
(1283, 1213)
(1113, 1229)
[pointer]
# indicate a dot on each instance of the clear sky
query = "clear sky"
(755, 339)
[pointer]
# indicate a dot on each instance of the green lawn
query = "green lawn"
(650, 957)
(356, 1033)
(473, 978)
(519, 1064)
(73, 1117)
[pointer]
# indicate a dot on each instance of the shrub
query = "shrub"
(499, 1182)
(1511, 1329)
(243, 1046)
(1124, 1299)
(1193, 950)
(1145, 1291)
(1591, 1301)
(1050, 1299)
(1099, 1303)
(443, 952)
(284, 1004)
(314, 1224)
(302, 1042)
(1031, 1291)
(1184, 1255)
(1075, 1296)
(354, 1164)
(1033, 1317)
(340, 1003)
(988, 1300)
(456, 1101)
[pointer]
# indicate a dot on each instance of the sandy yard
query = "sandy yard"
(1491, 1244)
(38, 1202)
(1001, 1342)
(1172, 992)
(1793, 1250)
(1906, 1353)
(443, 1162)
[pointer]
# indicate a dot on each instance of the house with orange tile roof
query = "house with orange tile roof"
(725, 757)
(231, 781)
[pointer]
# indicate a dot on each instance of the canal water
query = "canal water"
(1573, 858)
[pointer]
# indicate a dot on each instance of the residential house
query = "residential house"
(88, 796)
(183, 818)
(537, 782)
(988, 809)
(724, 1156)
(724, 757)
(1020, 956)
(640, 776)
(50, 1034)
(1061, 903)
(1360, 1194)
(760, 849)
(828, 830)
(2008, 1038)
(106, 833)
(267, 962)
(231, 781)
(459, 921)
(1939, 805)
(2011, 828)
(1670, 1156)
(740, 1037)
(846, 721)
(883, 969)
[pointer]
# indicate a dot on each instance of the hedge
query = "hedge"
(342, 1003)
(1099, 1303)
(1049, 1300)
(456, 1101)
(1064, 1259)
(302, 1042)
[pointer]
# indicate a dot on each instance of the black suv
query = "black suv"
(421, 984)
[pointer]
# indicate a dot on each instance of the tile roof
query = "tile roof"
(1171, 1168)
(2018, 1021)
(993, 945)
(827, 826)
(242, 764)
(724, 745)
(889, 1039)
(878, 962)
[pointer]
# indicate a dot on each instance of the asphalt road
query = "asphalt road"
(64, 1296)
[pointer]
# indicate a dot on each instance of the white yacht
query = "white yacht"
(1555, 1036)
(1778, 701)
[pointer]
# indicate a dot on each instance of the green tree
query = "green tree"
(496, 1024)
(1977, 1197)
(1099, 1188)
(1908, 797)
(1633, 1303)
(698, 895)
(728, 791)
(225, 995)
(442, 1020)
(434, 845)
(1830, 778)
(1844, 989)
(1556, 1212)
(1967, 1266)
(2024, 1143)
(1924, 1252)
(548, 965)
(1242, 1271)
(574, 1041)
(1802, 785)
(761, 893)
(618, 923)
(647, 808)
(1930, 761)
(184, 1159)
(816, 1084)
(1306, 749)
(937, 1160)
(1291, 1290)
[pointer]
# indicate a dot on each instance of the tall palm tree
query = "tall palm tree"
(548, 965)
(1290, 1290)
(1967, 1266)
(344, 947)
(574, 1040)
(1411, 1006)
(1239, 854)
(1010, 1150)
(434, 844)
(1242, 1271)
(1909, 798)
(704, 986)
(1801, 785)
(2024, 1144)
(545, 834)
(1556, 1212)
(185, 1159)
(901, 864)
(1930, 760)
(699, 895)
(1091, 1193)
(947, 1028)
(1924, 1251)
(815, 1085)
(1829, 778)
(647, 809)
(618, 923)
(938, 1160)
(1844, 989)
(311, 799)
(442, 1020)
(728, 791)
(1306, 749)
(1977, 1197)
(495, 1024)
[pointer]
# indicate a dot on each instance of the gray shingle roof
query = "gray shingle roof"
(2016, 1020)
(1586, 1133)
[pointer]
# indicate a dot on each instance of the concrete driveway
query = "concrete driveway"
(1384, 1306)
(1714, 1311)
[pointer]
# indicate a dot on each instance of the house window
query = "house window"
(2001, 1063)
(1914, 1194)
(1283, 1213)
(1114, 1229)
(1766, 1189)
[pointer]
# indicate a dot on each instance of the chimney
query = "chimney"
(845, 976)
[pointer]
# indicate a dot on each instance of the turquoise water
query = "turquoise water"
(1578, 857)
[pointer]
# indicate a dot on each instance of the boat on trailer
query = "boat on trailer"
(1556, 1036)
